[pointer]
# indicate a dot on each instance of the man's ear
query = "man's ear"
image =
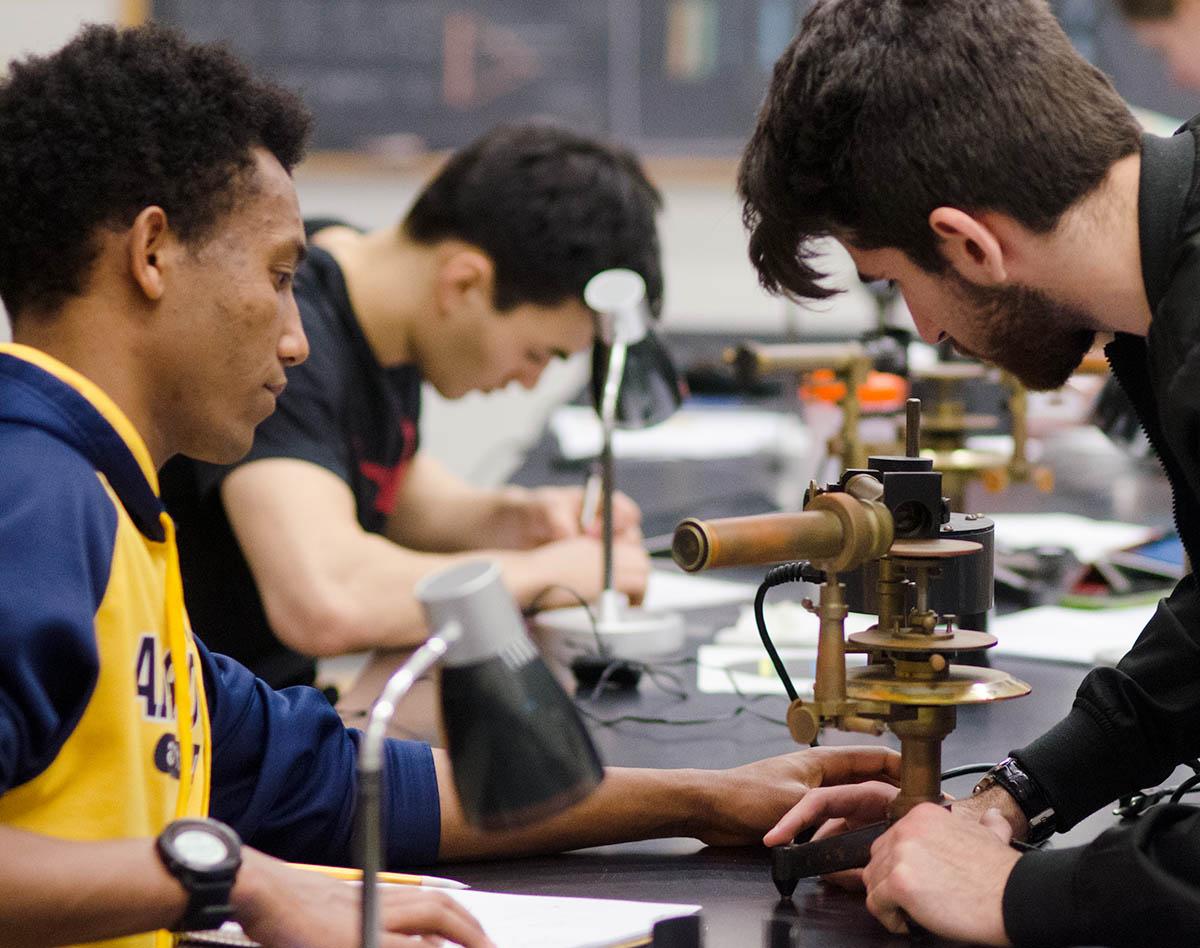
(970, 246)
(148, 239)
(466, 280)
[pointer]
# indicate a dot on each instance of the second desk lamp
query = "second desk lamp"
(518, 749)
(635, 386)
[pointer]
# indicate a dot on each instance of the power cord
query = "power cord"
(1133, 806)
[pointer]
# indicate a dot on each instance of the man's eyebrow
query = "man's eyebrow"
(301, 250)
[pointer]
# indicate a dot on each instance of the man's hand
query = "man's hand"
(554, 513)
(577, 564)
(282, 907)
(747, 799)
(944, 871)
(836, 810)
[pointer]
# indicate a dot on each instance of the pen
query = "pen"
(591, 499)
(394, 878)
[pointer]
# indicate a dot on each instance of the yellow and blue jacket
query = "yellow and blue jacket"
(92, 631)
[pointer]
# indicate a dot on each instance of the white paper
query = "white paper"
(1088, 539)
(542, 921)
(693, 433)
(788, 623)
(747, 670)
(1079, 636)
(669, 590)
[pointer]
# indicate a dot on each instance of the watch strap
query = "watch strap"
(208, 890)
(1011, 776)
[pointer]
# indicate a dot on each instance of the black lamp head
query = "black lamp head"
(518, 749)
(650, 388)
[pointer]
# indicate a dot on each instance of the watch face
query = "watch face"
(200, 849)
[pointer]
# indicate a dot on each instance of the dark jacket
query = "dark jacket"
(1130, 726)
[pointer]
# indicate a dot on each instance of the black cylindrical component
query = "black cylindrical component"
(964, 587)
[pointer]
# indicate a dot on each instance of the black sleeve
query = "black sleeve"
(1130, 726)
(1133, 886)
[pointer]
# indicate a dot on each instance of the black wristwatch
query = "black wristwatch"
(204, 855)
(1024, 789)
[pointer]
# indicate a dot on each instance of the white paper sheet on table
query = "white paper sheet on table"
(747, 670)
(539, 921)
(1088, 539)
(1079, 636)
(690, 433)
(670, 590)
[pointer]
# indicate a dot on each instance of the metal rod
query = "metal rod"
(912, 427)
(368, 813)
(608, 420)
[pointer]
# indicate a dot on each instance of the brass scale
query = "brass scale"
(887, 543)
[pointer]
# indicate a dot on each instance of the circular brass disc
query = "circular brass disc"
(962, 640)
(965, 459)
(934, 549)
(964, 684)
(936, 424)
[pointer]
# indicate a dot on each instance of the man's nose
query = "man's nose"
(293, 343)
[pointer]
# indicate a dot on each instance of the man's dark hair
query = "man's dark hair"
(550, 207)
(114, 122)
(1148, 9)
(881, 111)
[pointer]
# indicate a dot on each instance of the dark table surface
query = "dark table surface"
(733, 885)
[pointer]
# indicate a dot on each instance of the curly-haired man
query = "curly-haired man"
(965, 151)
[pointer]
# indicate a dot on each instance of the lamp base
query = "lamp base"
(628, 632)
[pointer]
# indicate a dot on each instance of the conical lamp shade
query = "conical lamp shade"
(518, 749)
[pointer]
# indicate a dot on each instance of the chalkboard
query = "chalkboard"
(679, 75)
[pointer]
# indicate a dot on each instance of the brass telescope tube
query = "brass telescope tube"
(835, 532)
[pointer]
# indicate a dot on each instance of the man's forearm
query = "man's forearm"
(629, 804)
(61, 892)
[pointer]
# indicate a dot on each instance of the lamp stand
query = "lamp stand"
(614, 627)
(368, 809)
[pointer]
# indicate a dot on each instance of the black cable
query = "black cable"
(966, 769)
(777, 576)
(532, 609)
(1191, 785)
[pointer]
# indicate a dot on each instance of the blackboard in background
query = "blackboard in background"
(443, 71)
(667, 76)
(675, 75)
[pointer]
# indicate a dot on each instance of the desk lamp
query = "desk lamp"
(634, 384)
(518, 750)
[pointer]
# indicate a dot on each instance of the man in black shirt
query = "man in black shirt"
(965, 151)
(312, 544)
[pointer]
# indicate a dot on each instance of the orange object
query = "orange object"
(881, 392)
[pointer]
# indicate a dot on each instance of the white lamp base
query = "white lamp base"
(629, 632)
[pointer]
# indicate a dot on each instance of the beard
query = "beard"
(1025, 332)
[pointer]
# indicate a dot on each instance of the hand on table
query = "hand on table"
(282, 907)
(746, 800)
(944, 871)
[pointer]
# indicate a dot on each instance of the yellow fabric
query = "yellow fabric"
(112, 776)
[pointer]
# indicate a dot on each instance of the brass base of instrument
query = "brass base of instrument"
(961, 684)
